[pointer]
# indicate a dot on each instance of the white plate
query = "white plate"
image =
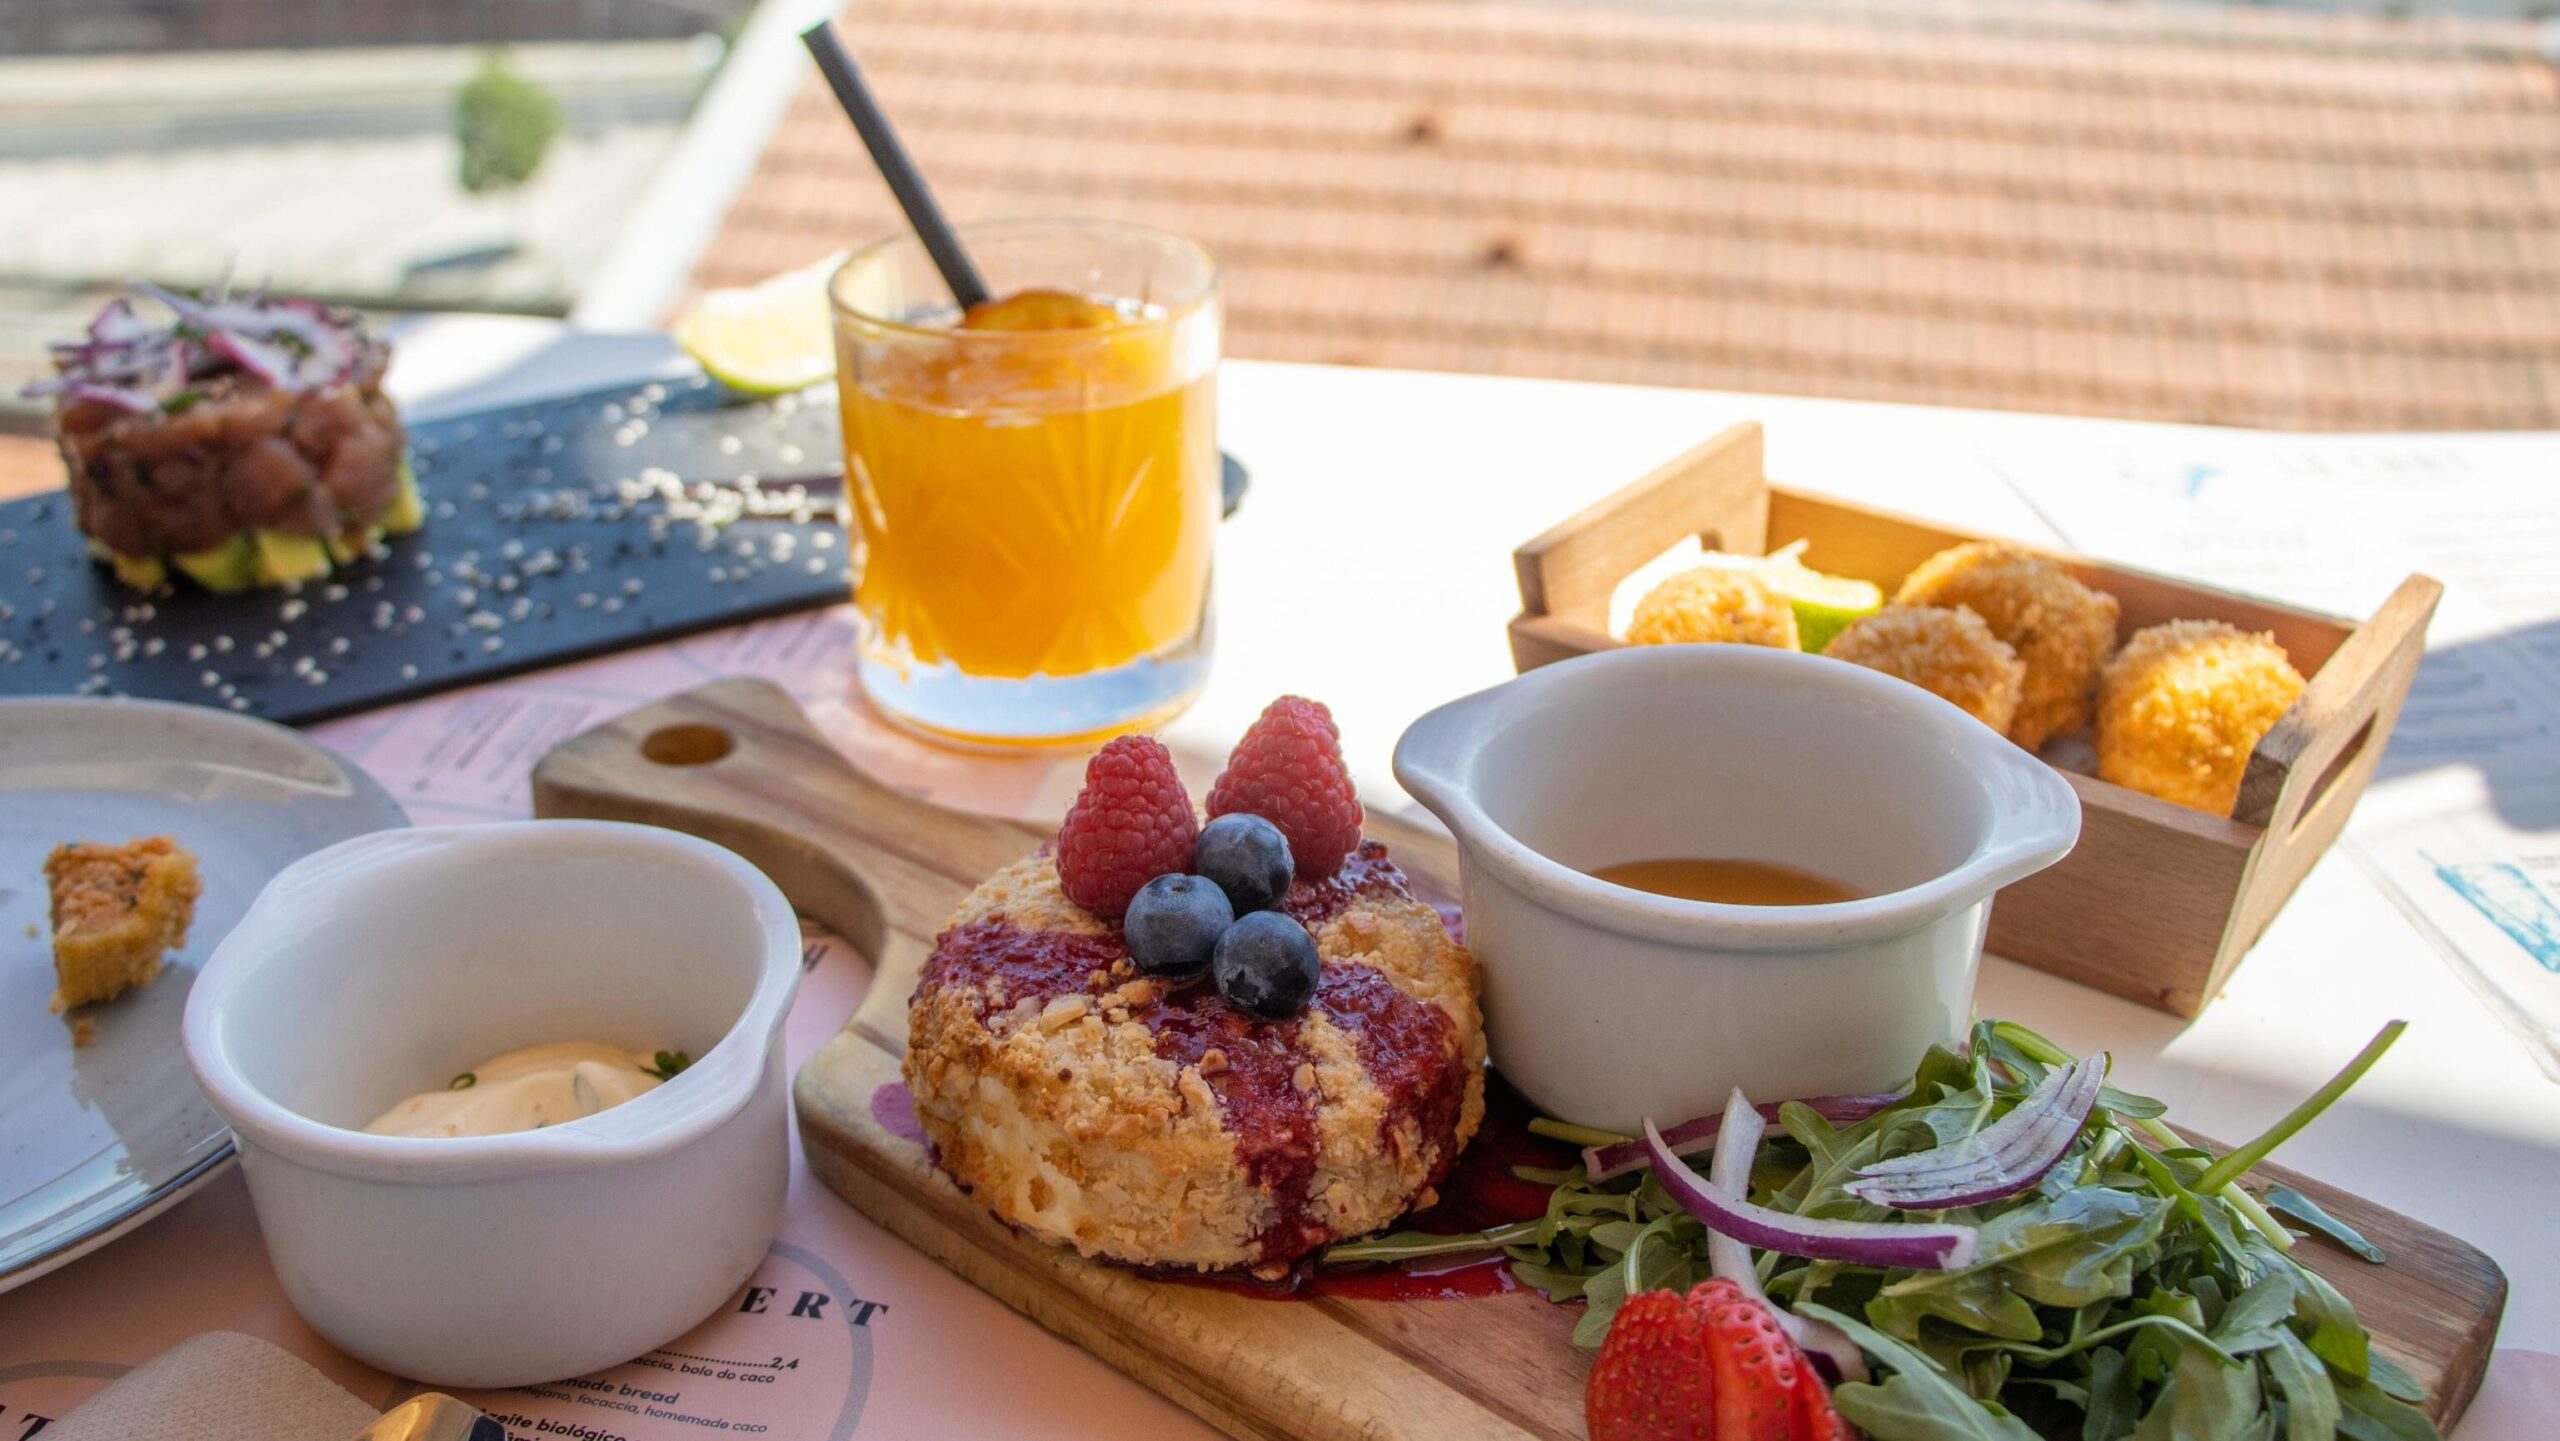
(96, 1139)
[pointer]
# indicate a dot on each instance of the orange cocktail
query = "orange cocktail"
(1033, 486)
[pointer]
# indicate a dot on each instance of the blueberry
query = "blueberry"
(1173, 925)
(1266, 966)
(1248, 858)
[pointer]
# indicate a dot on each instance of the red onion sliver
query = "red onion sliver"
(1911, 1245)
(1737, 1145)
(2002, 1159)
(1697, 1136)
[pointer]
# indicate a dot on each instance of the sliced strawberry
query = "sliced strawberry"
(1816, 1419)
(1755, 1364)
(1652, 1381)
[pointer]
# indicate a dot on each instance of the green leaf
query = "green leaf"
(1978, 1300)
(2310, 1401)
(1606, 1290)
(1919, 1401)
(2075, 1248)
(2288, 1202)
(2366, 1414)
(2204, 1400)
(2130, 1106)
(1556, 1285)
(2115, 1396)
(2257, 1316)
(2394, 1380)
(2336, 1336)
(1903, 1408)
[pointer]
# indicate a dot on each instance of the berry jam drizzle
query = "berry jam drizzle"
(1481, 1193)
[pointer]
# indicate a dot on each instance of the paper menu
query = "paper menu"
(2462, 823)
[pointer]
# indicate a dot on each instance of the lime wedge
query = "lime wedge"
(766, 339)
(1824, 604)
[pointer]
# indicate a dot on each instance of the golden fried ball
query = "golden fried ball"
(2060, 628)
(1949, 653)
(2183, 704)
(1711, 603)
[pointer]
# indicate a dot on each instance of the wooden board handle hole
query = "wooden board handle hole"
(687, 745)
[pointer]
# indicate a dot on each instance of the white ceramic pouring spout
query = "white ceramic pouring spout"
(1606, 1005)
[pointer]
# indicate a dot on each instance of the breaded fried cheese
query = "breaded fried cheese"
(2184, 703)
(1104, 1109)
(1711, 603)
(1949, 653)
(2062, 630)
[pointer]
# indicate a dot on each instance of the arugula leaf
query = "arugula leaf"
(1918, 1402)
(1978, 1300)
(2204, 1400)
(1902, 1408)
(2288, 1202)
(2115, 1396)
(2310, 1401)
(2366, 1414)
(2394, 1380)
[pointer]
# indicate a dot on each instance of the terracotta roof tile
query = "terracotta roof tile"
(2179, 212)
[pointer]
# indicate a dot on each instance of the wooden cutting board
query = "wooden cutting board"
(737, 763)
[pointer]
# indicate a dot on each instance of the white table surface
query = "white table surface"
(1370, 568)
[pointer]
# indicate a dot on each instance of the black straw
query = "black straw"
(905, 181)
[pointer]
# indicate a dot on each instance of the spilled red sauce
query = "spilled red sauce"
(894, 1107)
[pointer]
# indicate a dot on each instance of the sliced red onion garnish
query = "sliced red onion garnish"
(2002, 1159)
(1911, 1245)
(1737, 1144)
(287, 344)
(1697, 1137)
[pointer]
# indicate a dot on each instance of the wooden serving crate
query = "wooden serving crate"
(2158, 902)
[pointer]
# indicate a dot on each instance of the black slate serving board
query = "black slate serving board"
(556, 530)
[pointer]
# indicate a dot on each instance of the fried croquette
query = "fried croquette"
(2183, 704)
(2062, 630)
(1711, 603)
(1949, 653)
(117, 912)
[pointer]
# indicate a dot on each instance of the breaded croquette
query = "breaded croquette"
(1949, 653)
(2183, 704)
(2062, 630)
(117, 911)
(1711, 603)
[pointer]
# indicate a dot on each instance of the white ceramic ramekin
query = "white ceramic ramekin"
(384, 965)
(1606, 1005)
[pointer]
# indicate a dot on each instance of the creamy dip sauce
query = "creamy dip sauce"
(524, 1091)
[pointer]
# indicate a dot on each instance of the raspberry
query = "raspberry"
(1130, 824)
(1288, 770)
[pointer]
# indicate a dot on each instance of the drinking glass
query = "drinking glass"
(1032, 510)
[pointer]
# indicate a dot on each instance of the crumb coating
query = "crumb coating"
(117, 912)
(2062, 630)
(1949, 653)
(1714, 604)
(1099, 1108)
(2184, 703)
